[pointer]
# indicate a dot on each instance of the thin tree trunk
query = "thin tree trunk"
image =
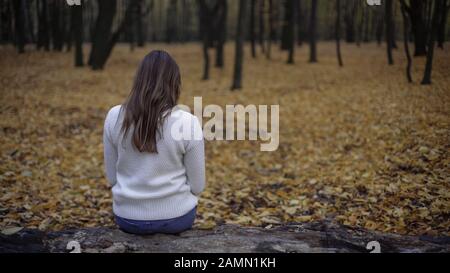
(57, 35)
(291, 29)
(406, 40)
(313, 33)
(221, 33)
(380, 27)
(338, 32)
(205, 35)
(419, 27)
(271, 30)
(443, 24)
(239, 54)
(252, 28)
(389, 30)
(285, 26)
(77, 30)
(19, 25)
(262, 28)
(438, 5)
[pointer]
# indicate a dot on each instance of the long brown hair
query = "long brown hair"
(155, 92)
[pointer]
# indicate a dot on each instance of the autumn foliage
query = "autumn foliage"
(358, 145)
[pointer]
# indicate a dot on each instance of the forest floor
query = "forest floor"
(358, 145)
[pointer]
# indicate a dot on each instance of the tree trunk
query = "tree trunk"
(291, 31)
(389, 30)
(285, 33)
(338, 32)
(19, 25)
(301, 23)
(350, 10)
(252, 27)
(317, 237)
(438, 5)
(313, 33)
(140, 33)
(262, 28)
(406, 31)
(443, 24)
(102, 33)
(271, 30)
(418, 25)
(239, 51)
(221, 32)
(5, 24)
(55, 21)
(77, 30)
(171, 29)
(380, 27)
(204, 27)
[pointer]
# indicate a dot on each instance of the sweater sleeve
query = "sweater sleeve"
(194, 160)
(110, 152)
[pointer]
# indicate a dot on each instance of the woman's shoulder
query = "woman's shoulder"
(182, 114)
(115, 110)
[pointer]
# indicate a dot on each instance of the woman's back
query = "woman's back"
(154, 186)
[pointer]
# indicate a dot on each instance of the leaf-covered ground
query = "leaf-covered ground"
(358, 145)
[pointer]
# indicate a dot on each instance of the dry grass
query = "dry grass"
(358, 145)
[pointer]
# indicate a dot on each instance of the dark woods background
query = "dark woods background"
(265, 24)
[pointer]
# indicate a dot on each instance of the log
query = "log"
(319, 237)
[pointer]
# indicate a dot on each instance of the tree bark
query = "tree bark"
(252, 28)
(18, 8)
(205, 26)
(313, 33)
(55, 21)
(291, 29)
(271, 30)
(262, 28)
(221, 24)
(77, 30)
(416, 12)
(406, 31)
(438, 5)
(389, 30)
(349, 18)
(102, 33)
(239, 51)
(443, 24)
(285, 33)
(338, 32)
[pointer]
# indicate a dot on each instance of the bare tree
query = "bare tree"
(252, 27)
(239, 52)
(443, 24)
(271, 29)
(389, 31)
(77, 30)
(19, 27)
(221, 31)
(262, 27)
(313, 33)
(406, 31)
(291, 30)
(338, 32)
(438, 5)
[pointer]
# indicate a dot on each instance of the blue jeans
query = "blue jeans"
(169, 226)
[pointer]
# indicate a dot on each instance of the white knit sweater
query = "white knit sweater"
(156, 186)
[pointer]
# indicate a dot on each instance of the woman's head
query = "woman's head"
(155, 92)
